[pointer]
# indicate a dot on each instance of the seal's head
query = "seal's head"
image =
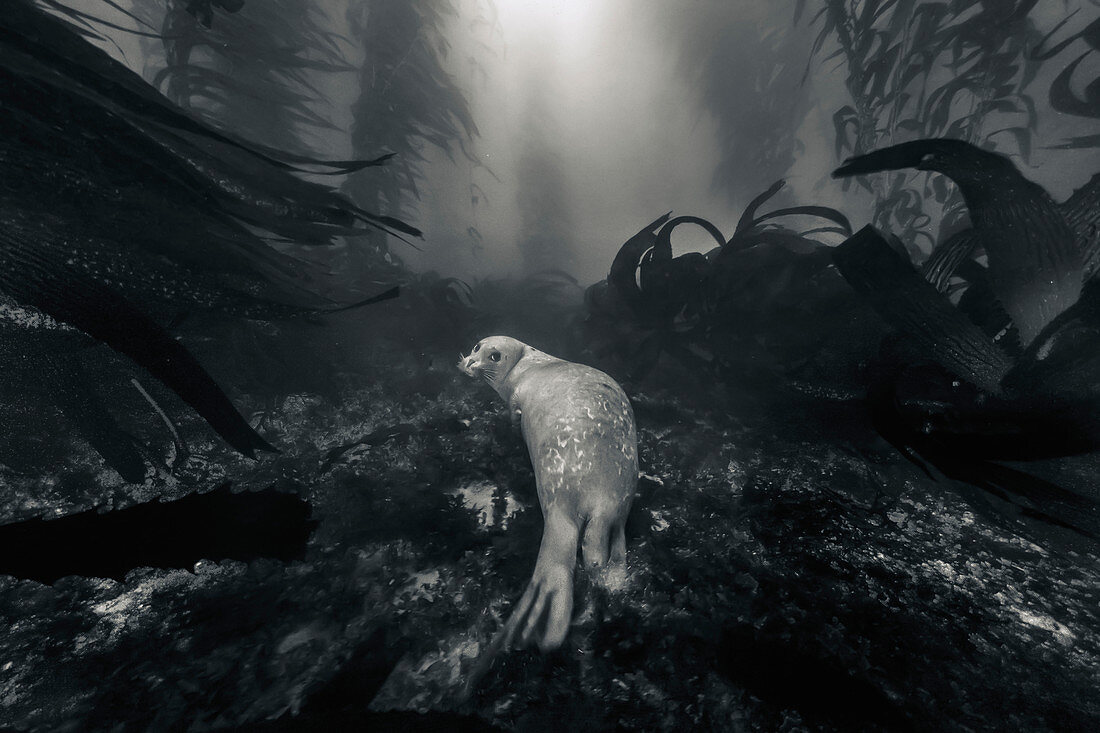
(492, 359)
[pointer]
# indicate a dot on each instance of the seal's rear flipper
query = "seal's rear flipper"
(550, 592)
(604, 541)
(544, 619)
(543, 614)
(544, 611)
(596, 547)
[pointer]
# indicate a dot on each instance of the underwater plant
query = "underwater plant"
(704, 309)
(122, 213)
(926, 70)
(254, 70)
(1035, 266)
(408, 100)
(757, 110)
(266, 71)
(1009, 372)
(1062, 97)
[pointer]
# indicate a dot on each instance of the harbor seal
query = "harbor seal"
(579, 428)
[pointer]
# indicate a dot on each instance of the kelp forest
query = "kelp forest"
(838, 257)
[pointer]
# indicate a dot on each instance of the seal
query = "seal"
(579, 429)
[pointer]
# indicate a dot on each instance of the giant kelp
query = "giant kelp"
(1035, 263)
(1061, 95)
(930, 69)
(742, 304)
(965, 71)
(120, 209)
(766, 308)
(408, 101)
(1026, 404)
(758, 109)
(253, 70)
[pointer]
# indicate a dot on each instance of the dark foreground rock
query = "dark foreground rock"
(783, 574)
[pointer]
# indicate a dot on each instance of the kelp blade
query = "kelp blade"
(917, 310)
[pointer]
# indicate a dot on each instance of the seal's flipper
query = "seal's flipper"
(550, 592)
(545, 616)
(618, 543)
(596, 548)
(545, 609)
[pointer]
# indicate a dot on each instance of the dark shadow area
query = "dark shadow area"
(342, 702)
(218, 525)
(351, 718)
(822, 690)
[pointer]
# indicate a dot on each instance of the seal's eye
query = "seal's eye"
(495, 356)
(476, 348)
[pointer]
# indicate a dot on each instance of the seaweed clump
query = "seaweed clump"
(1007, 373)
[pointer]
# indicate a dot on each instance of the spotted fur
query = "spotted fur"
(579, 428)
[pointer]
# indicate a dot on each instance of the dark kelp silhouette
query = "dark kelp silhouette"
(951, 390)
(409, 101)
(689, 304)
(1035, 265)
(1061, 94)
(120, 211)
(894, 55)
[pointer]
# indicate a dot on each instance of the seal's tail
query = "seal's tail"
(543, 613)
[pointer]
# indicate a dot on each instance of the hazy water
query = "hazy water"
(594, 118)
